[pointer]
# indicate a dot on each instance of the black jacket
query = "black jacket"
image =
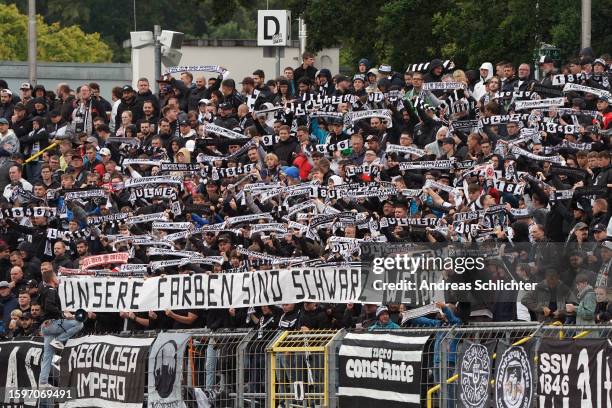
(50, 303)
(135, 106)
(285, 149)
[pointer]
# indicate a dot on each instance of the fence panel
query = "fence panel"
(299, 375)
(250, 368)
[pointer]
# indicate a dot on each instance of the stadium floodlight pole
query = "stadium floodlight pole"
(586, 24)
(302, 35)
(32, 41)
(157, 52)
(278, 61)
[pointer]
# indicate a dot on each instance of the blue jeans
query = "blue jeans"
(211, 364)
(60, 329)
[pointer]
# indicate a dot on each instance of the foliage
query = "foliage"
(54, 43)
(399, 32)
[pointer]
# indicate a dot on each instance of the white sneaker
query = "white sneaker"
(46, 386)
(57, 345)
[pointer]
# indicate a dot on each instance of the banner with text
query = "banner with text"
(199, 291)
(105, 371)
(380, 370)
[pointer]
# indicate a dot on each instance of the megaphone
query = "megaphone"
(80, 315)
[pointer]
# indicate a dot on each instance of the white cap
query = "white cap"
(484, 66)
(105, 151)
(204, 101)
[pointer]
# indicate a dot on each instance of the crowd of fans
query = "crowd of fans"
(446, 152)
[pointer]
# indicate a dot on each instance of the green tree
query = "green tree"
(55, 43)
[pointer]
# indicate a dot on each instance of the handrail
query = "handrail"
(35, 156)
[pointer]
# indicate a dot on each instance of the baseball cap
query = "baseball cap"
(4, 284)
(224, 237)
(184, 122)
(600, 227)
(26, 85)
(77, 157)
(373, 138)
(7, 91)
(484, 66)
(341, 78)
(91, 139)
(3, 121)
(32, 283)
(545, 59)
(384, 69)
(336, 120)
(105, 151)
(359, 77)
(291, 171)
(26, 315)
(225, 105)
(600, 61)
(127, 88)
(204, 101)
(580, 225)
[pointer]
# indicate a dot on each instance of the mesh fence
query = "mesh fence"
(251, 368)
(300, 371)
(442, 391)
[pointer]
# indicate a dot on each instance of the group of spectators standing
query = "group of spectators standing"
(544, 172)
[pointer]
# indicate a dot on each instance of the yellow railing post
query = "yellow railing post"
(35, 156)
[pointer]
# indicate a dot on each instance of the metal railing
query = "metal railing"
(256, 369)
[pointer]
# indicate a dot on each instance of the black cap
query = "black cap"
(183, 122)
(32, 283)
(337, 120)
(448, 140)
(224, 237)
(225, 105)
(26, 315)
(600, 227)
(127, 88)
(545, 59)
(373, 138)
(341, 78)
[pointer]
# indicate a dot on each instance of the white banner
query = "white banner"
(539, 103)
(202, 291)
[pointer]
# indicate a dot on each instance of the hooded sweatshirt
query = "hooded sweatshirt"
(480, 88)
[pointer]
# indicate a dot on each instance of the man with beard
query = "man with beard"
(6, 104)
(82, 250)
(226, 116)
(146, 133)
(86, 109)
(131, 103)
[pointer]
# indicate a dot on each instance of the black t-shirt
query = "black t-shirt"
(185, 313)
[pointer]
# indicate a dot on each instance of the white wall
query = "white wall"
(75, 74)
(240, 61)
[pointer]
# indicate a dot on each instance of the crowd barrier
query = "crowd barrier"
(327, 368)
